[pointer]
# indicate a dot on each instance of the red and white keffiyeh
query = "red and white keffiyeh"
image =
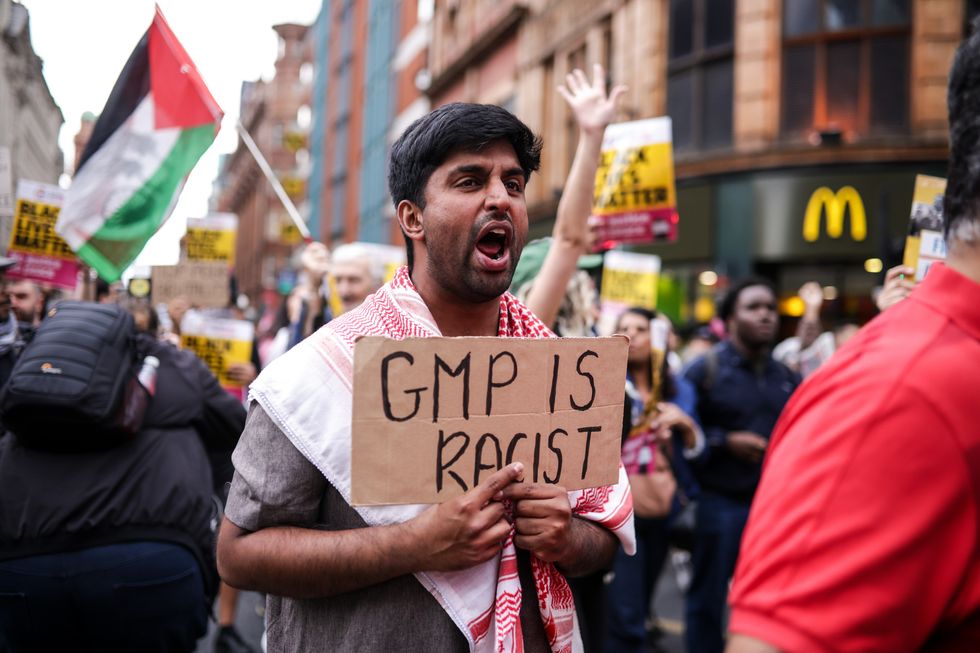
(307, 392)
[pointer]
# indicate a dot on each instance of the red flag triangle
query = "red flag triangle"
(180, 97)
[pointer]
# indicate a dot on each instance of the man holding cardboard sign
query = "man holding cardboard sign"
(484, 569)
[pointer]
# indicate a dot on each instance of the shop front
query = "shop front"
(840, 226)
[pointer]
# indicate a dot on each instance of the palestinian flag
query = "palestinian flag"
(159, 119)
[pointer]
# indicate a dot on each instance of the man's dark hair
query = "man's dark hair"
(643, 312)
(102, 289)
(961, 205)
(726, 307)
(459, 126)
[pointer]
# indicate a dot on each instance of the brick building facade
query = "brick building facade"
(770, 100)
(277, 115)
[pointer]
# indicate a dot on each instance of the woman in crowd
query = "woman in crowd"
(668, 424)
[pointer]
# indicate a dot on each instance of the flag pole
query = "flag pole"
(276, 186)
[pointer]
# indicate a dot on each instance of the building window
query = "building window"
(700, 73)
(845, 67)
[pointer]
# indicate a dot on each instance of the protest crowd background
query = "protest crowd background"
(720, 182)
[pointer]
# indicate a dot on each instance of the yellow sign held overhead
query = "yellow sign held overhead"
(212, 238)
(835, 205)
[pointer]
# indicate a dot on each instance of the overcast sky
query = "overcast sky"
(85, 43)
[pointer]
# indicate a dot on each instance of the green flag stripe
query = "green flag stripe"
(120, 240)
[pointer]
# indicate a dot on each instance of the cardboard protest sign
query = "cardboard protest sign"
(42, 255)
(218, 342)
(628, 279)
(433, 417)
(212, 238)
(635, 199)
(925, 243)
(204, 284)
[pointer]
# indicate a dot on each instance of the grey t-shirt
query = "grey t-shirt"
(275, 485)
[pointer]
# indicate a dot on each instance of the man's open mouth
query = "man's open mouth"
(493, 243)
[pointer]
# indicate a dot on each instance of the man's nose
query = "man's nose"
(498, 199)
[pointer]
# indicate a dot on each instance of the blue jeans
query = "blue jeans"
(634, 579)
(717, 533)
(136, 596)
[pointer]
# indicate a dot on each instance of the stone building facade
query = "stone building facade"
(29, 117)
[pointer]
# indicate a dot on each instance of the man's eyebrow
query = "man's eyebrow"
(469, 168)
(476, 168)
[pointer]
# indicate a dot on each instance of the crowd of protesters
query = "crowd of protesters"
(725, 455)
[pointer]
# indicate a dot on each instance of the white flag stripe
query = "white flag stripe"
(113, 174)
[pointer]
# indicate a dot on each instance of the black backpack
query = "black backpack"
(74, 387)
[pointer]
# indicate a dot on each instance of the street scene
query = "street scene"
(623, 326)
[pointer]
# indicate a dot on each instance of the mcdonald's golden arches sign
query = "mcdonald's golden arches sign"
(834, 205)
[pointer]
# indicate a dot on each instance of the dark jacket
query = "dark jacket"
(740, 397)
(158, 486)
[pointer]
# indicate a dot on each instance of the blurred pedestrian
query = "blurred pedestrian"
(112, 549)
(312, 291)
(864, 532)
(355, 272)
(674, 437)
(12, 332)
(26, 301)
(107, 293)
(741, 392)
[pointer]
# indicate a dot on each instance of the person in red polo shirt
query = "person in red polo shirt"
(865, 530)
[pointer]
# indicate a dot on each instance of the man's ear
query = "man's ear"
(410, 220)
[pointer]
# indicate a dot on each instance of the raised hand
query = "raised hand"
(899, 284)
(469, 529)
(593, 110)
(812, 295)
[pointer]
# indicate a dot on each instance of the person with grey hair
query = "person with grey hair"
(863, 533)
(356, 272)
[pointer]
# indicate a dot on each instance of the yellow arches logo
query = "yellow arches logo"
(834, 203)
